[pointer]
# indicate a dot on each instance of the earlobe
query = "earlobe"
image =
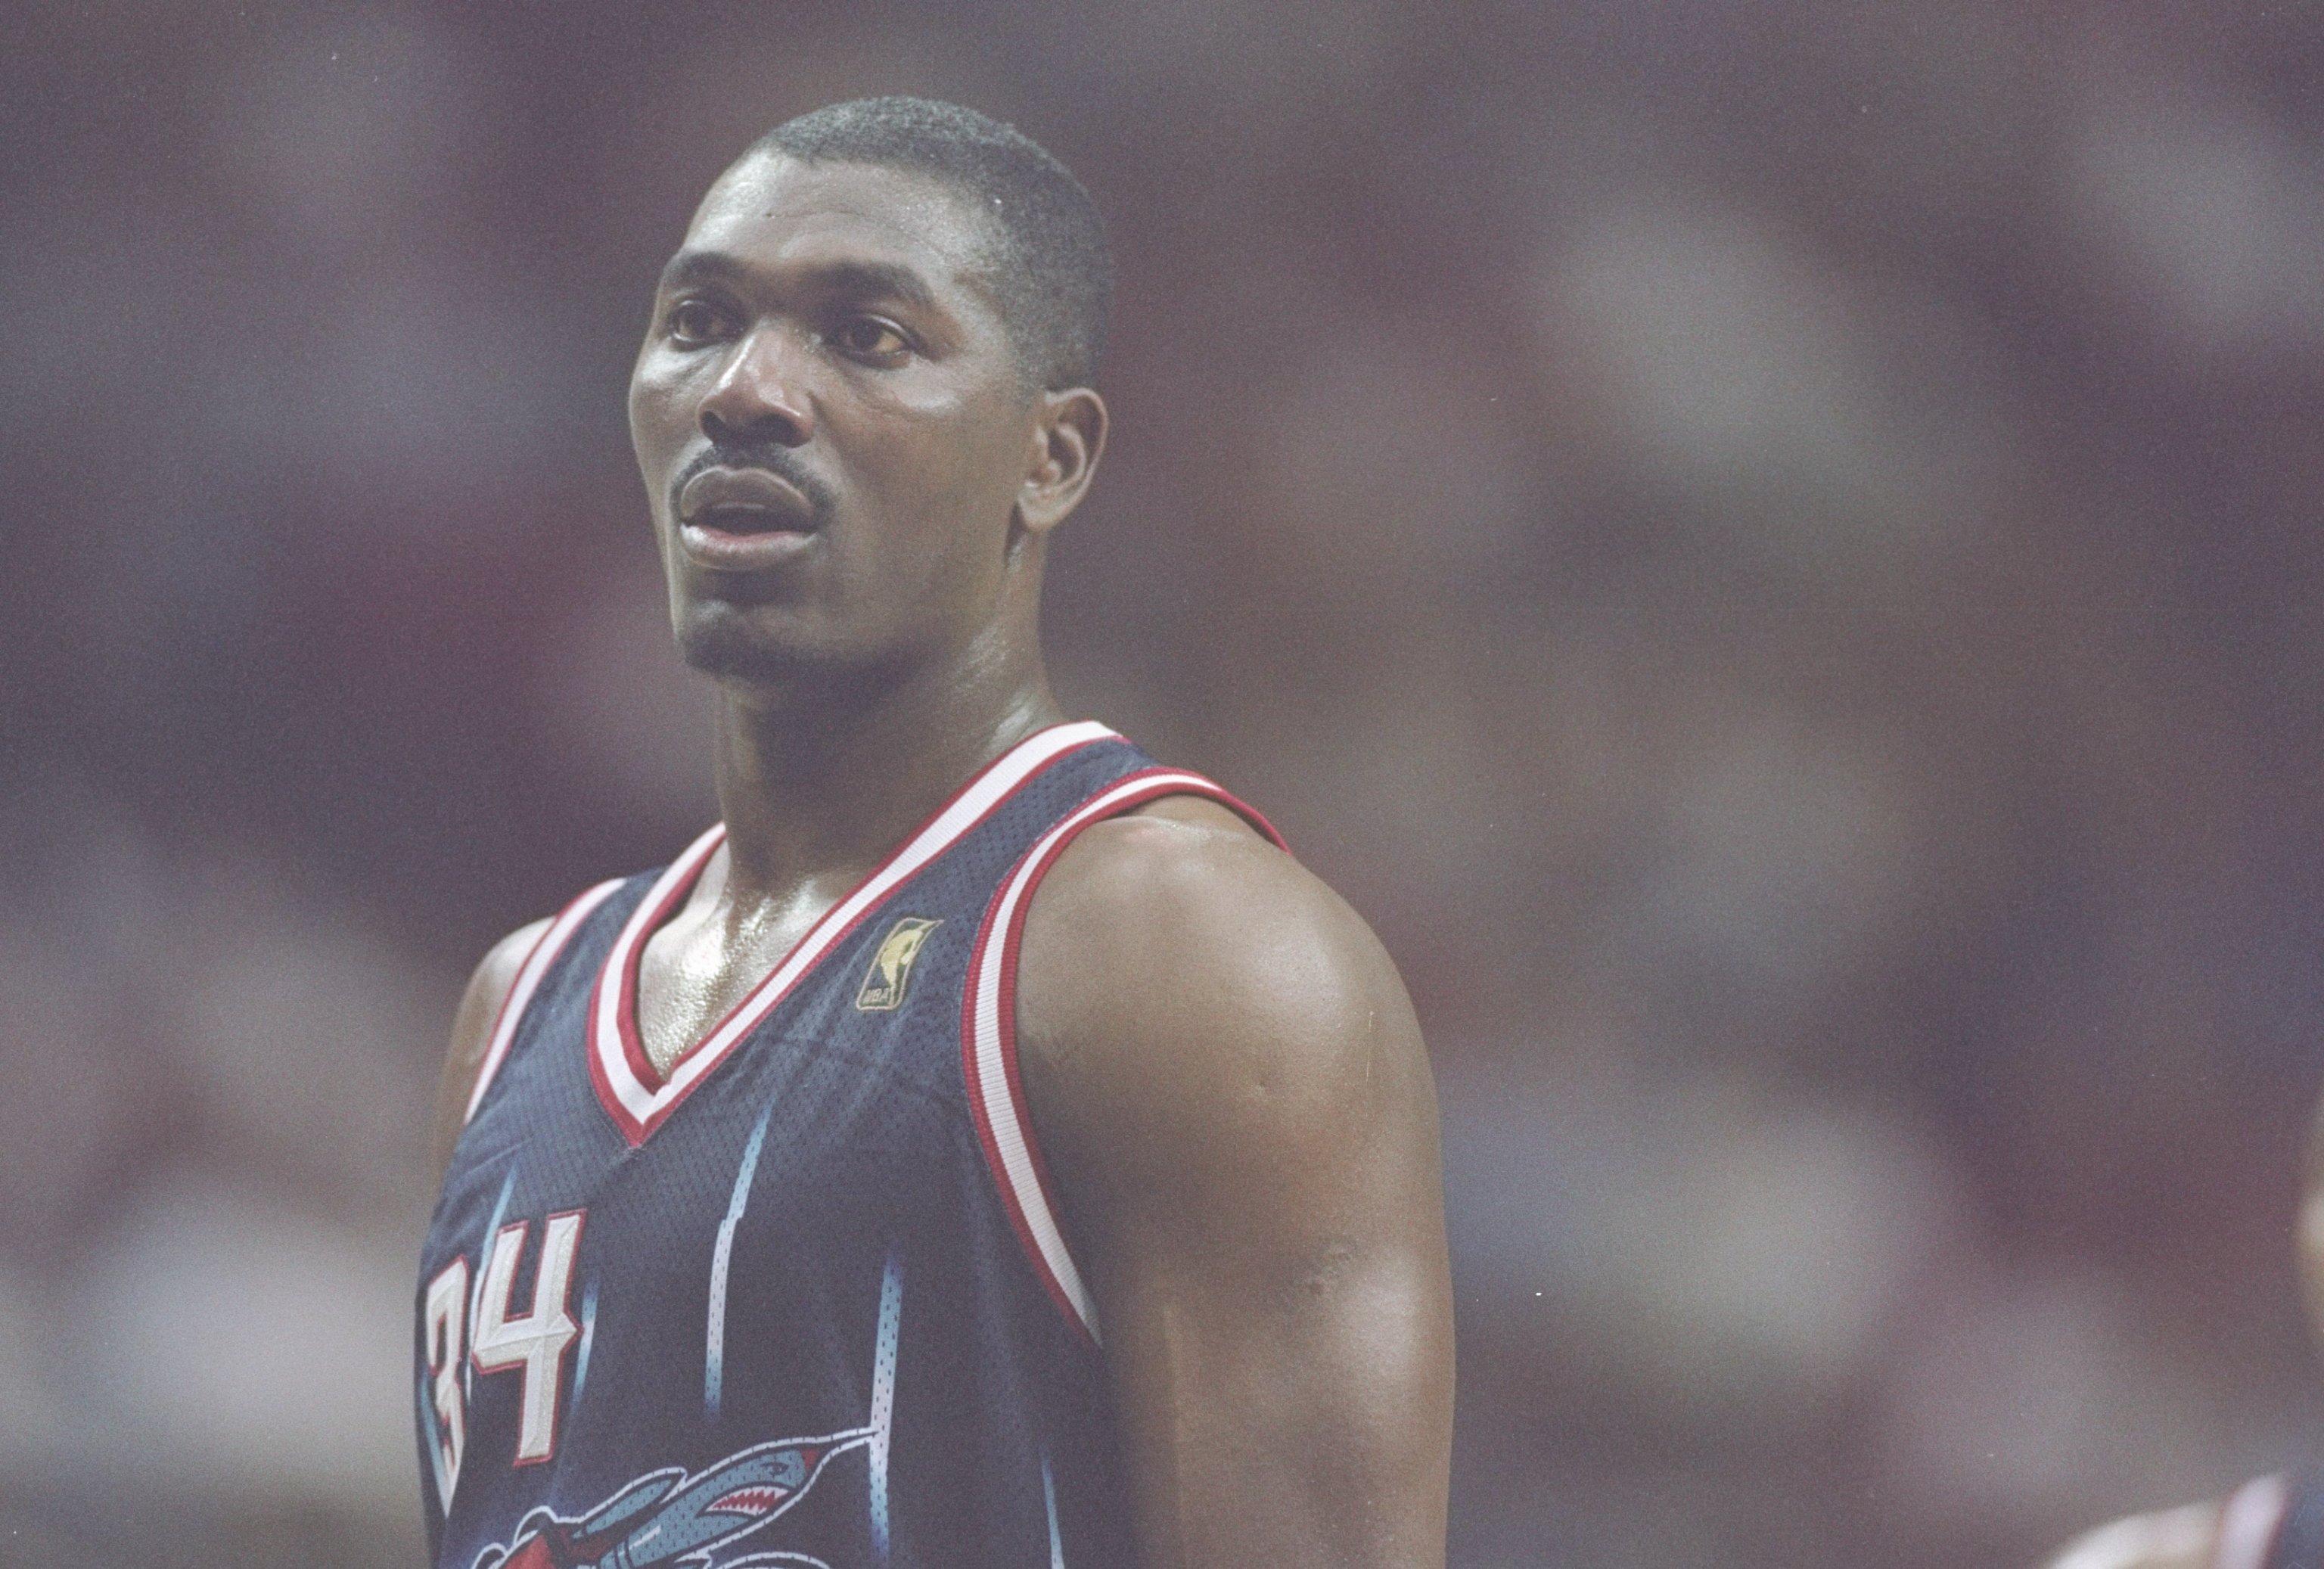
(1068, 438)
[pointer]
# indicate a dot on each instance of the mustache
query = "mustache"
(773, 457)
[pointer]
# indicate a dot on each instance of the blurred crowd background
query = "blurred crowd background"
(1770, 547)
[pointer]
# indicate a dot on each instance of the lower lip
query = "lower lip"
(723, 553)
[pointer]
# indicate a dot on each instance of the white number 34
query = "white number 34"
(536, 1343)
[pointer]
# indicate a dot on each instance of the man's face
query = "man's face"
(829, 422)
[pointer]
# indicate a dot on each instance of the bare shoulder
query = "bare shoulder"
(472, 1032)
(2181, 1538)
(1181, 979)
(1230, 1090)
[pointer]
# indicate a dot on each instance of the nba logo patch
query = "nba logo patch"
(891, 967)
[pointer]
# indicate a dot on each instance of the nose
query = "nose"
(757, 397)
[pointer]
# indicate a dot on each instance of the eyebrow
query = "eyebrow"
(859, 279)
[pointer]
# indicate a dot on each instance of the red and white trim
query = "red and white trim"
(2251, 1522)
(996, 1093)
(545, 949)
(634, 1095)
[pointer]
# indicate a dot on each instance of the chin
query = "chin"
(726, 647)
(736, 648)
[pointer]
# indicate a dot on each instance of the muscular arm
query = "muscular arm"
(471, 1034)
(1231, 1091)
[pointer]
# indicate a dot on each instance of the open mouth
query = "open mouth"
(744, 502)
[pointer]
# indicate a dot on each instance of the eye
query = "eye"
(869, 337)
(696, 321)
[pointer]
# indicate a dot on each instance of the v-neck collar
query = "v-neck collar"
(637, 1097)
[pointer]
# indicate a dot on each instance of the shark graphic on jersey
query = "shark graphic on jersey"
(668, 1517)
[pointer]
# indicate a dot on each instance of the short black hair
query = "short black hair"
(1053, 274)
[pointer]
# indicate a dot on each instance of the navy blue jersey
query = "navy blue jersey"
(807, 1301)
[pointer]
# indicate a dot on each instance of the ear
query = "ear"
(1067, 440)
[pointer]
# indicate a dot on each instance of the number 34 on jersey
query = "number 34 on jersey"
(471, 1331)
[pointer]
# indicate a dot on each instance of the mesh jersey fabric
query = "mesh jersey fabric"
(791, 1309)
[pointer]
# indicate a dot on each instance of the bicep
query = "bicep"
(1281, 1361)
(471, 1035)
(1249, 1169)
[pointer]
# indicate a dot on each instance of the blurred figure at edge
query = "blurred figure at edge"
(2271, 1522)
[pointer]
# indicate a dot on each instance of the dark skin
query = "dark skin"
(1224, 1071)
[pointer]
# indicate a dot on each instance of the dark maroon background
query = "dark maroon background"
(1770, 547)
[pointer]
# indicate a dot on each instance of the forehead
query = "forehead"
(771, 213)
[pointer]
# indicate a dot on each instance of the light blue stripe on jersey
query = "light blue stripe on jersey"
(714, 1357)
(1049, 1499)
(883, 1395)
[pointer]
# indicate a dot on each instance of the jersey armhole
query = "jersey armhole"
(996, 1092)
(545, 949)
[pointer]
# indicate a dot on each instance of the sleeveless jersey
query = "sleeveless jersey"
(2274, 1522)
(807, 1301)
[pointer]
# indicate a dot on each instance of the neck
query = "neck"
(815, 784)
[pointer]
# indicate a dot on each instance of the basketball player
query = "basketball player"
(2276, 1522)
(985, 1146)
